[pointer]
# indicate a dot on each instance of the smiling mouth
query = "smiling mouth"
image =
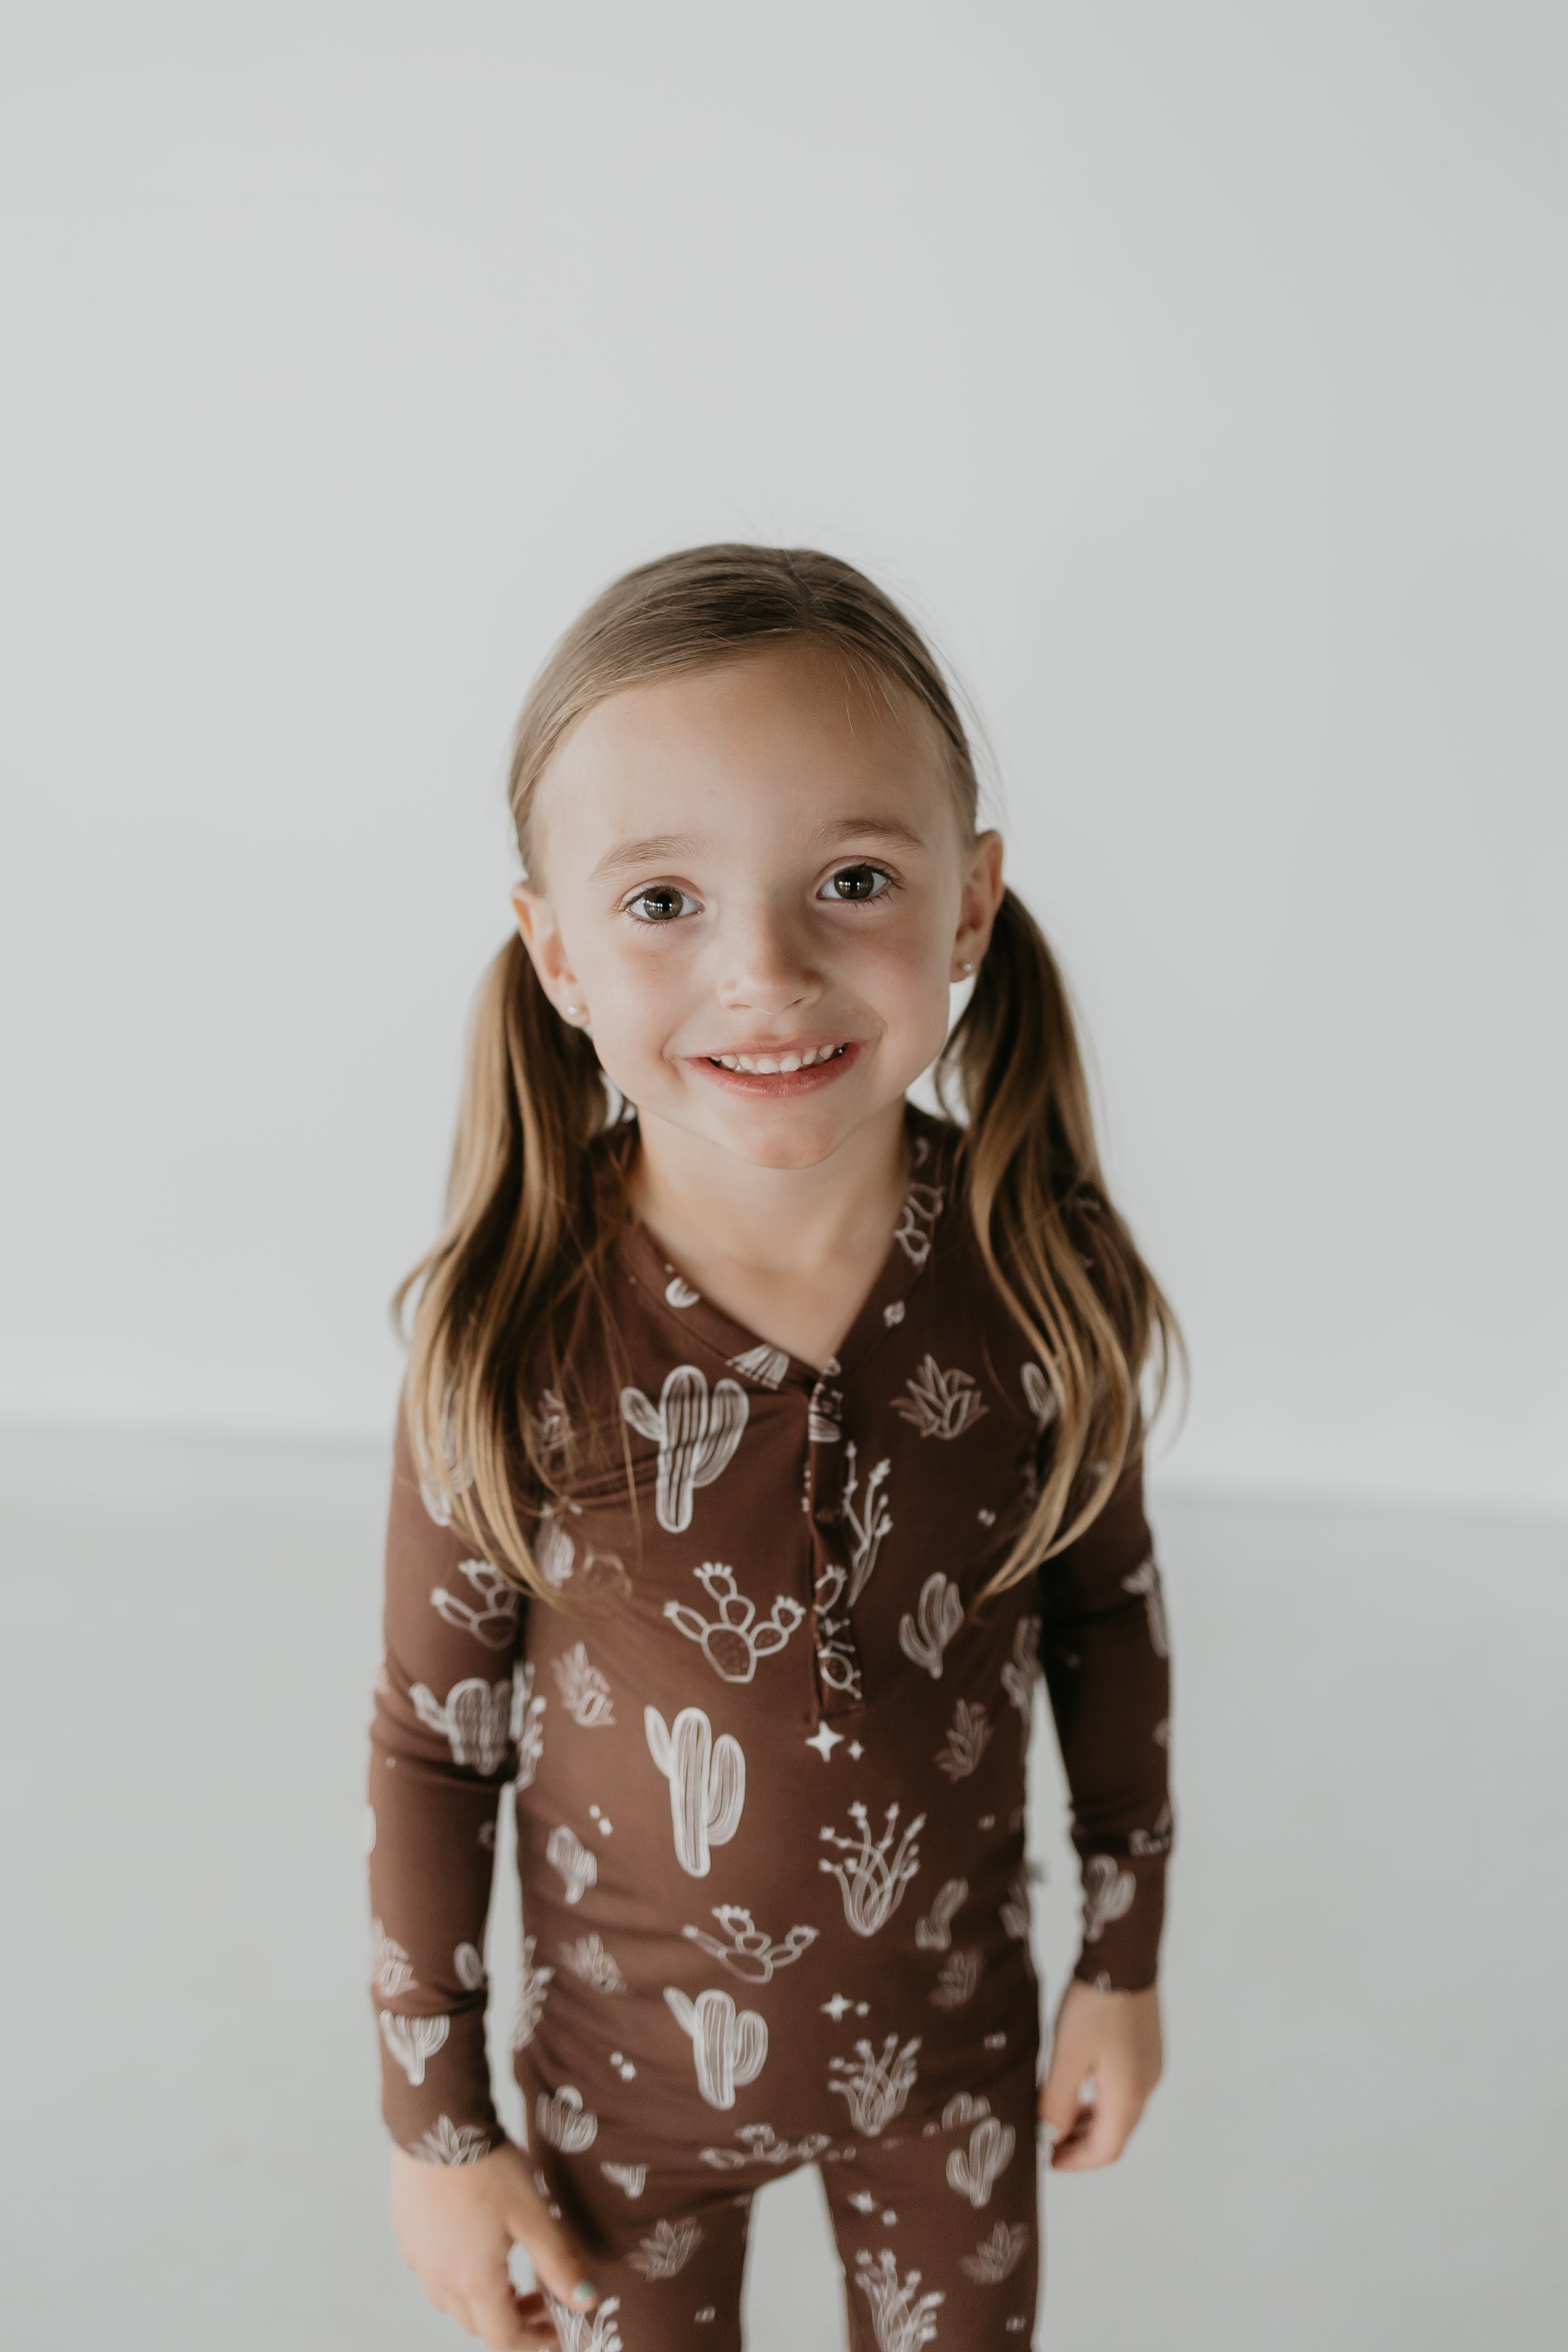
(772, 1064)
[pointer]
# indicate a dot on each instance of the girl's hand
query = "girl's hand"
(1115, 2038)
(456, 2225)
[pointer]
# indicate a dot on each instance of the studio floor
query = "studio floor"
(1360, 2140)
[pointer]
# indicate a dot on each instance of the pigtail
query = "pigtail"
(1063, 1260)
(519, 1242)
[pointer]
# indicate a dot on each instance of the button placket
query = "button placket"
(837, 1660)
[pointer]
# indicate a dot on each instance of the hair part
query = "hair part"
(527, 1233)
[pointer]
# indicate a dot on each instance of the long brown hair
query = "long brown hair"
(527, 1233)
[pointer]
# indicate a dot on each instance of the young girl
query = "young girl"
(764, 1436)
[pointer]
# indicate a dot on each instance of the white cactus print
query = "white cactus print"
(1145, 1579)
(1014, 1912)
(941, 1405)
(450, 2143)
(940, 1611)
(474, 1721)
(894, 1311)
(586, 2331)
(585, 1693)
(838, 1659)
(974, 2173)
(468, 1963)
(934, 1932)
(632, 2178)
(412, 2040)
(967, 1737)
(960, 1975)
(491, 1616)
(564, 2121)
(696, 1435)
(729, 2048)
(902, 2324)
(526, 1722)
(667, 2250)
(766, 1365)
(553, 1548)
(868, 1526)
(551, 1425)
(998, 2255)
(564, 1851)
(679, 1292)
(1108, 1892)
(750, 1954)
(1156, 1840)
(532, 1985)
(1022, 1670)
(876, 2087)
(707, 1783)
(391, 1971)
(825, 1415)
(588, 1958)
(1041, 1395)
(763, 2146)
(872, 1884)
(734, 1642)
(921, 1207)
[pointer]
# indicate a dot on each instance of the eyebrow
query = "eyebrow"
(654, 848)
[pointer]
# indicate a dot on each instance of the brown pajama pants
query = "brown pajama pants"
(935, 2222)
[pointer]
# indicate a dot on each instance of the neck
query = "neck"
(708, 1206)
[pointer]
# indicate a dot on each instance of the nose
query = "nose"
(765, 960)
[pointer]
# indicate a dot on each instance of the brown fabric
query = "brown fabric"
(769, 1777)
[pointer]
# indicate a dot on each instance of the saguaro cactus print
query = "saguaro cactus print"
(706, 1782)
(696, 1435)
(728, 2045)
(973, 2171)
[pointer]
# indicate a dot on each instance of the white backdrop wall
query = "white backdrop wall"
(1197, 376)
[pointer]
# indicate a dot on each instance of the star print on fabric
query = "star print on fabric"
(835, 2008)
(856, 1750)
(825, 1742)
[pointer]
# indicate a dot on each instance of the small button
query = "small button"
(826, 1515)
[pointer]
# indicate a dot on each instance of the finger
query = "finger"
(1061, 2094)
(558, 2260)
(496, 2318)
(1106, 2128)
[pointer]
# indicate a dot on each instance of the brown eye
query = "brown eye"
(655, 893)
(857, 877)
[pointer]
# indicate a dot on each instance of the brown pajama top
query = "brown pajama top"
(769, 1778)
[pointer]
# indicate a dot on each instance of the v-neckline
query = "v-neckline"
(925, 1210)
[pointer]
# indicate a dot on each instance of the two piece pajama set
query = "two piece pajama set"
(770, 1780)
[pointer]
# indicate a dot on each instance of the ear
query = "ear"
(982, 893)
(541, 935)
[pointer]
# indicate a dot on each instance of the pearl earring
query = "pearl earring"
(965, 965)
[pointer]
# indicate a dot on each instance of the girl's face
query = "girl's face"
(759, 860)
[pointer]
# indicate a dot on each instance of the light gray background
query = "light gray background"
(1195, 375)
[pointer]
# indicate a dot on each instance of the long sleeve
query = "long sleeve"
(1105, 1648)
(450, 1699)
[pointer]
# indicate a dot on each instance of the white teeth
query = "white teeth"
(768, 1065)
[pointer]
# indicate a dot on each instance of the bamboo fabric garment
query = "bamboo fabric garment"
(769, 1777)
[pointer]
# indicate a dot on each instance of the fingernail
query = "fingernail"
(584, 2291)
(1043, 2130)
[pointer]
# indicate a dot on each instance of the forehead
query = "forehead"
(783, 738)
